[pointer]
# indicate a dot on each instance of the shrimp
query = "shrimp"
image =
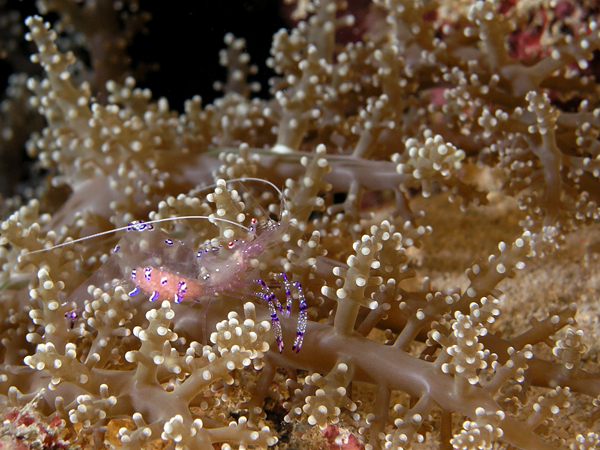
(164, 268)
(166, 273)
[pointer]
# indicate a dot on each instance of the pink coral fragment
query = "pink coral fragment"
(341, 440)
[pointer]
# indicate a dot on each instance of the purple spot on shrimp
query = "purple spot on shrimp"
(154, 296)
(116, 248)
(139, 225)
(164, 280)
(178, 299)
(148, 273)
(72, 315)
(133, 274)
(169, 241)
(199, 254)
(136, 225)
(181, 288)
(134, 291)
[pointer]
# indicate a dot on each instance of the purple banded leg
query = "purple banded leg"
(302, 312)
(288, 295)
(154, 296)
(134, 291)
(270, 298)
(274, 299)
(302, 317)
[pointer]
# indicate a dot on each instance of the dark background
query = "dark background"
(183, 40)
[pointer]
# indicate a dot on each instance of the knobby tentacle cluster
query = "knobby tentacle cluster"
(180, 331)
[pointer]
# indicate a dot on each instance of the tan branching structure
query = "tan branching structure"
(407, 113)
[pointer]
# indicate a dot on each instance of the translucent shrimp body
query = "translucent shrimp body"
(164, 268)
(158, 264)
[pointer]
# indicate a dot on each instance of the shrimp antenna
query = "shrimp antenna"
(139, 226)
(267, 182)
(281, 196)
(241, 180)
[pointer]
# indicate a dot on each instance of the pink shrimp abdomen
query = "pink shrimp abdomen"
(165, 269)
(160, 284)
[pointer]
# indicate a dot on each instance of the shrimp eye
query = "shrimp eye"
(232, 243)
(253, 220)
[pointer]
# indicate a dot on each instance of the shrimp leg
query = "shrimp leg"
(302, 312)
(271, 300)
(302, 317)
(274, 305)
